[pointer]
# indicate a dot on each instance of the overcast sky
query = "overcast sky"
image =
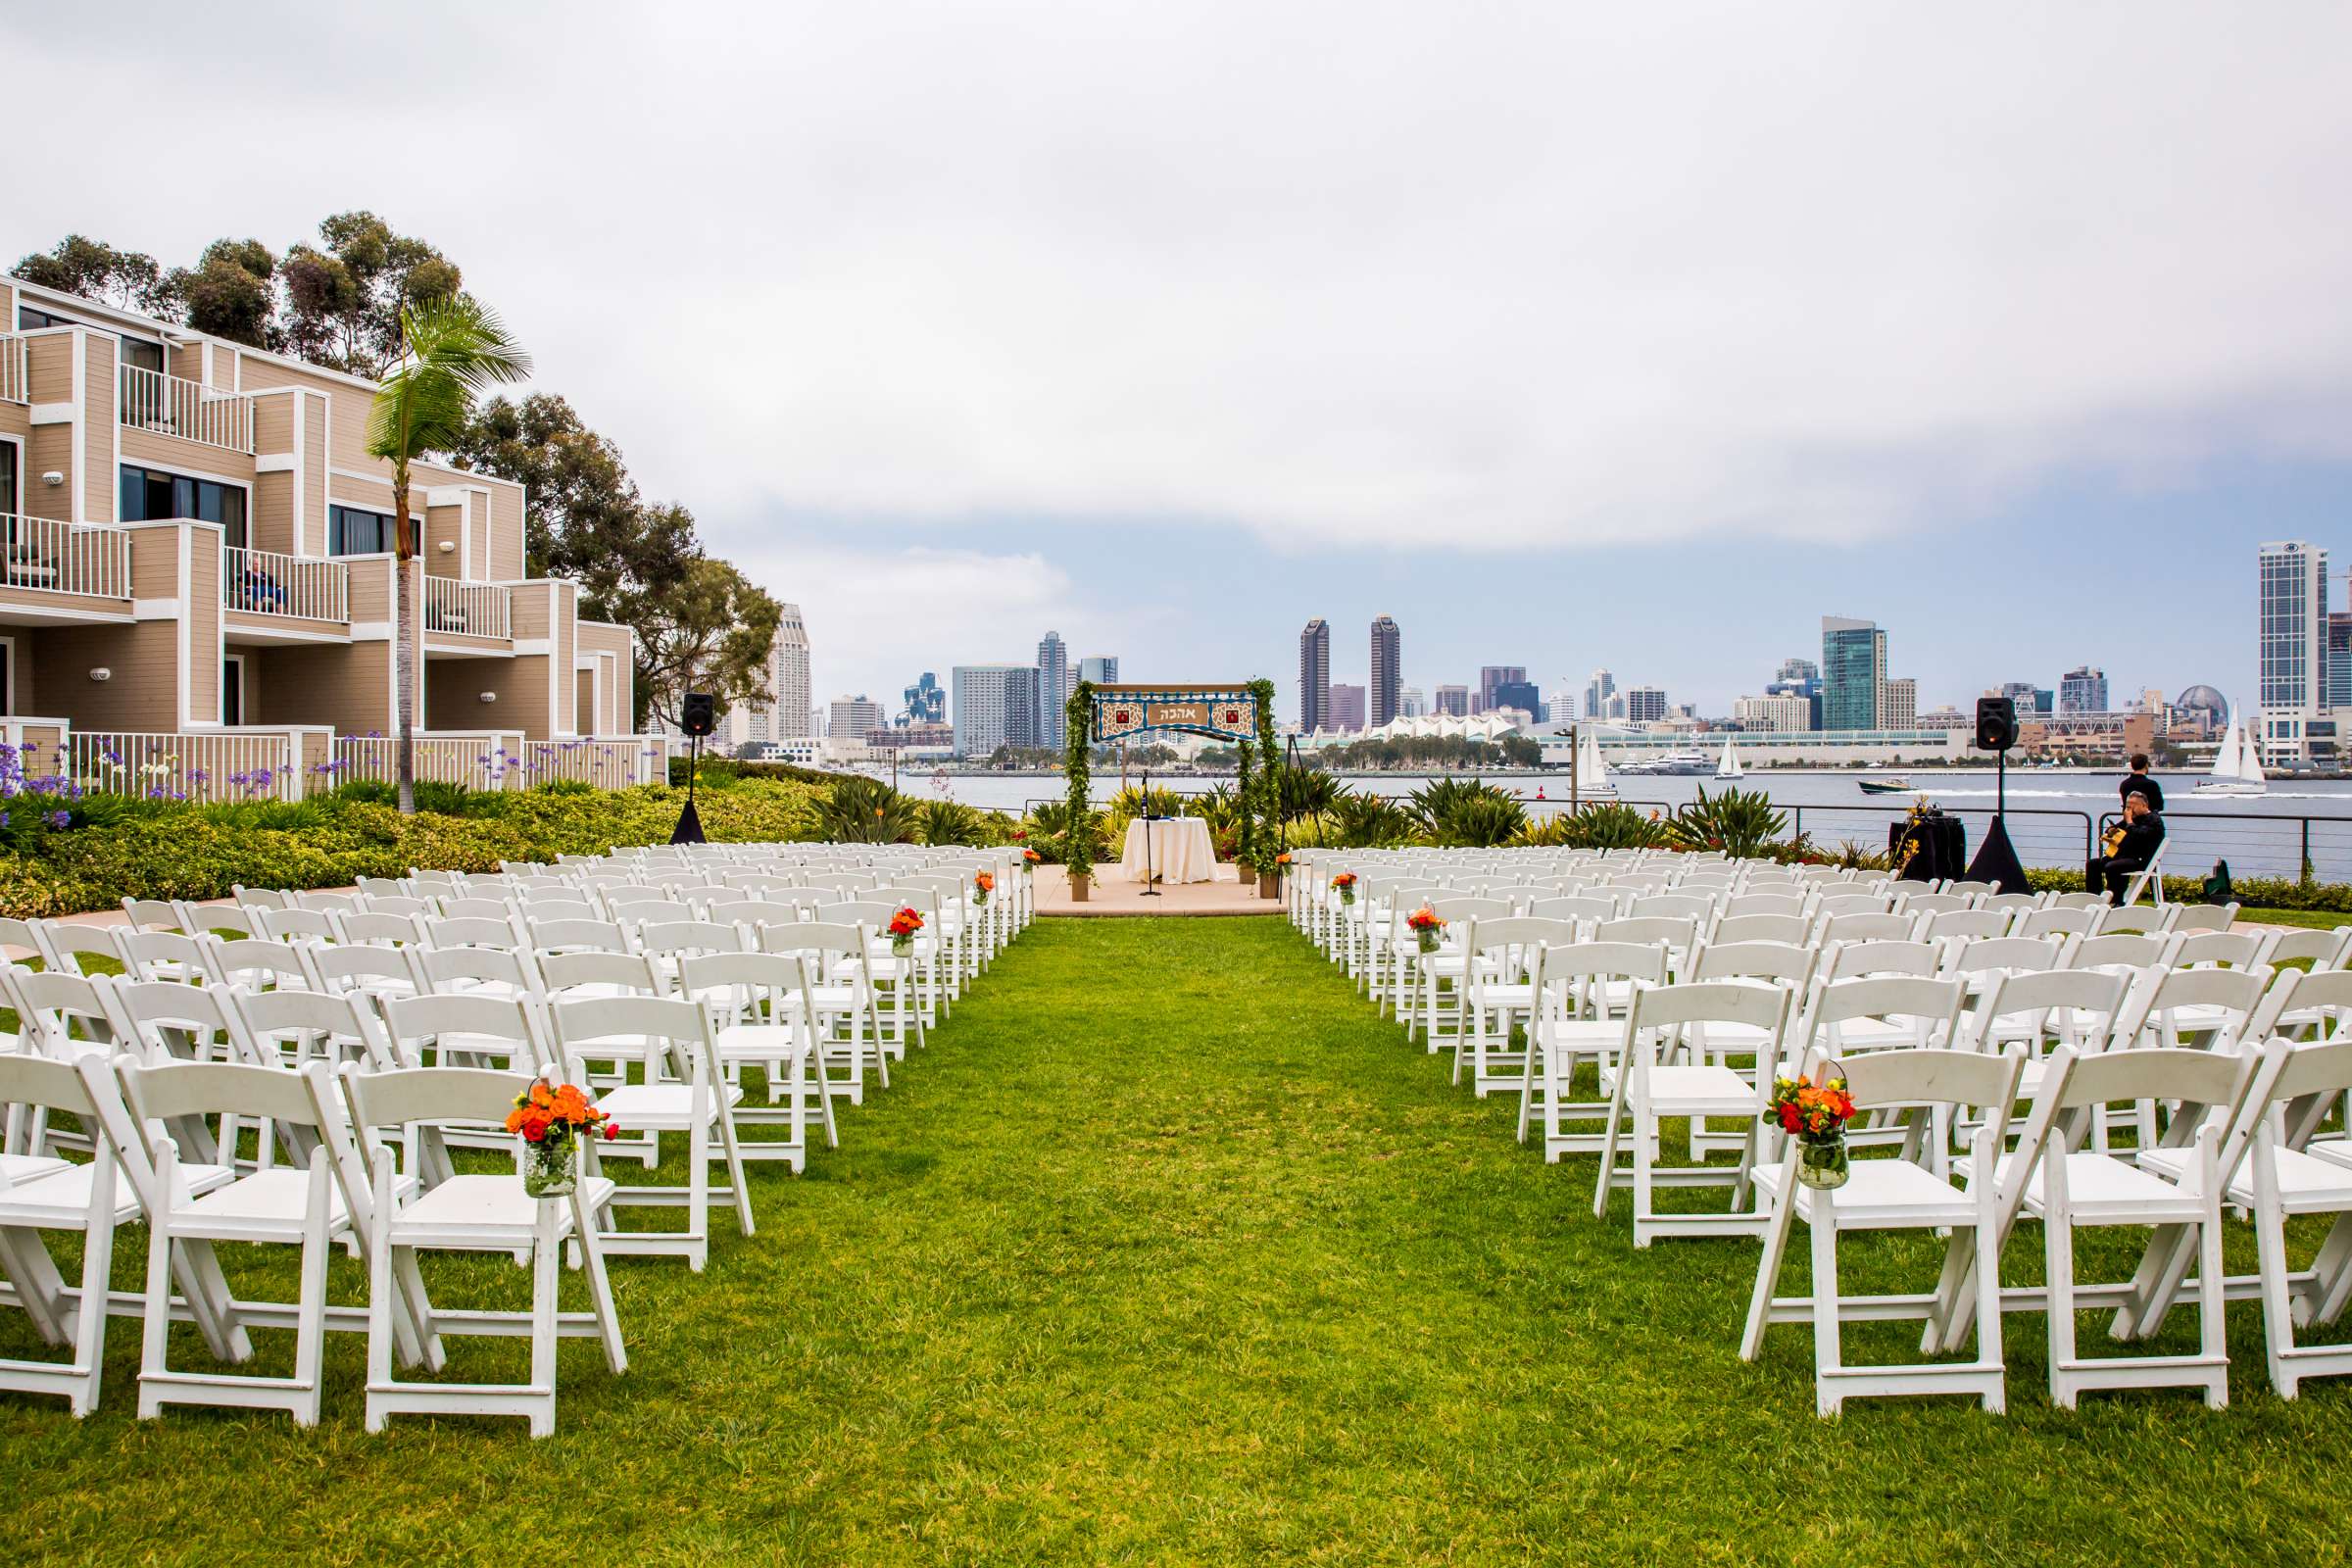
(1637, 335)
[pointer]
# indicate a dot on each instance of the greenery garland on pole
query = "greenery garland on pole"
(1244, 826)
(1266, 811)
(1078, 855)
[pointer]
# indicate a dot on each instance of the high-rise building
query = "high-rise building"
(1900, 708)
(2292, 624)
(1787, 713)
(1315, 676)
(1387, 669)
(996, 705)
(855, 717)
(926, 701)
(1054, 687)
(1853, 672)
(1490, 676)
(1519, 693)
(2083, 690)
(1346, 708)
(1802, 671)
(1412, 703)
(1560, 703)
(1099, 671)
(1454, 700)
(1598, 692)
(1644, 704)
(2339, 658)
(784, 717)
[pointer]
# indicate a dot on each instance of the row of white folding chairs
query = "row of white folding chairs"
(1917, 1024)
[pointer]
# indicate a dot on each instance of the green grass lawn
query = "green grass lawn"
(1168, 1251)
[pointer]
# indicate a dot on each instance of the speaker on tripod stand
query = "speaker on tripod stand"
(697, 717)
(1997, 858)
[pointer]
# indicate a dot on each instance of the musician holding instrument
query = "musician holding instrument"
(2130, 845)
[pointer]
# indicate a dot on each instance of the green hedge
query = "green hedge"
(726, 769)
(2254, 892)
(201, 851)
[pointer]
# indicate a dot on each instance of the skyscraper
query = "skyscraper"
(1053, 688)
(1100, 671)
(855, 717)
(1900, 708)
(2083, 690)
(1346, 707)
(1315, 676)
(1387, 669)
(927, 701)
(1598, 692)
(2293, 645)
(1853, 672)
(785, 715)
(1519, 693)
(1453, 700)
(996, 705)
(1644, 704)
(1412, 703)
(1490, 676)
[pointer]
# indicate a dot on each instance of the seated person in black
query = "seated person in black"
(2137, 782)
(2143, 830)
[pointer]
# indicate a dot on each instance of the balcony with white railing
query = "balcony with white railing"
(473, 609)
(264, 582)
(15, 369)
(63, 557)
(171, 404)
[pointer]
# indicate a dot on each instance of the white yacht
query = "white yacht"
(2237, 767)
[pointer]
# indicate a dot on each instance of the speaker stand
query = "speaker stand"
(690, 821)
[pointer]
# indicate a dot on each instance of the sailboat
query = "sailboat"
(2237, 767)
(1592, 773)
(1728, 766)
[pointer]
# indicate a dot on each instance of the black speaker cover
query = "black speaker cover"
(698, 714)
(1997, 723)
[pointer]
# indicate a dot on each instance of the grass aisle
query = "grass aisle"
(1168, 1251)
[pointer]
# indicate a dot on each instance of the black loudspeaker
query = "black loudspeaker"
(1997, 723)
(698, 714)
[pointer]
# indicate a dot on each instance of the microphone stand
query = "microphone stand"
(1151, 886)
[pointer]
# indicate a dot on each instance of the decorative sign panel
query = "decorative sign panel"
(1222, 713)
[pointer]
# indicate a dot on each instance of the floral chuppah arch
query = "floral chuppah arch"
(1242, 712)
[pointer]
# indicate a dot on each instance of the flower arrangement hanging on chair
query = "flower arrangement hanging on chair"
(553, 1120)
(1345, 885)
(982, 886)
(1815, 1115)
(1426, 926)
(902, 931)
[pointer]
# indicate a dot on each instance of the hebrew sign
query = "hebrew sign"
(1222, 713)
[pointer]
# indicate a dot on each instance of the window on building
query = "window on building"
(8, 478)
(353, 532)
(29, 319)
(151, 495)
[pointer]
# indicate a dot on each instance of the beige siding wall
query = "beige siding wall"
(204, 626)
(444, 523)
(349, 687)
(275, 499)
(98, 427)
(154, 562)
(506, 533)
(142, 693)
(312, 470)
(50, 451)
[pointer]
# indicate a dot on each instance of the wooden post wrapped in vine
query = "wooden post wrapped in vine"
(1245, 825)
(1078, 855)
(1266, 811)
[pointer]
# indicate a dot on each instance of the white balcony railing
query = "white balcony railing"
(15, 369)
(172, 406)
(214, 766)
(63, 557)
(606, 761)
(477, 608)
(267, 583)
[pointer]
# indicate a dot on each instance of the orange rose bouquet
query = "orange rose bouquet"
(1427, 926)
(1815, 1115)
(553, 1121)
(1345, 885)
(902, 930)
(982, 886)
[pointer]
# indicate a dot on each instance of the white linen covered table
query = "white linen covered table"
(1181, 851)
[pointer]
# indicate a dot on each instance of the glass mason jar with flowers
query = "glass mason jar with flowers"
(902, 930)
(1815, 1115)
(983, 885)
(553, 1121)
(1427, 927)
(1345, 885)
(1030, 860)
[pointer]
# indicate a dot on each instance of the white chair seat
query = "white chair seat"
(2104, 1190)
(266, 1205)
(486, 1213)
(1699, 1091)
(661, 1108)
(1495, 994)
(1882, 1195)
(759, 1041)
(18, 1169)
(60, 1201)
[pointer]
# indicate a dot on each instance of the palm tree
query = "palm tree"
(449, 351)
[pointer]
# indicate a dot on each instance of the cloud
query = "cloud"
(1341, 275)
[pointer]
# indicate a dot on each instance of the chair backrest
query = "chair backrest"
(2194, 1081)
(754, 912)
(670, 938)
(1894, 1079)
(562, 973)
(166, 1019)
(381, 926)
(1590, 907)
(2125, 949)
(2320, 949)
(1932, 1005)
(729, 977)
(1742, 1001)
(2203, 916)
(647, 909)
(72, 946)
(170, 1091)
(2002, 954)
(2204, 948)
(1642, 961)
(475, 907)
(257, 966)
(1697, 908)
(294, 925)
(2234, 990)
(2136, 918)
(258, 898)
(1936, 904)
(413, 1021)
(2058, 920)
(596, 1028)
(384, 1102)
(384, 887)
(2088, 1002)
(450, 970)
(1735, 929)
(1787, 961)
(1869, 926)
(358, 966)
(153, 955)
(2011, 903)
(466, 931)
(1837, 903)
(1967, 924)
(1853, 959)
(344, 1022)
(1675, 931)
(55, 1007)
(399, 905)
(826, 939)
(577, 935)
(154, 914)
(1458, 908)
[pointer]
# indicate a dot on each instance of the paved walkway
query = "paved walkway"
(1115, 898)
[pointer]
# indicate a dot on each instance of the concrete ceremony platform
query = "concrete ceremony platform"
(1113, 898)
